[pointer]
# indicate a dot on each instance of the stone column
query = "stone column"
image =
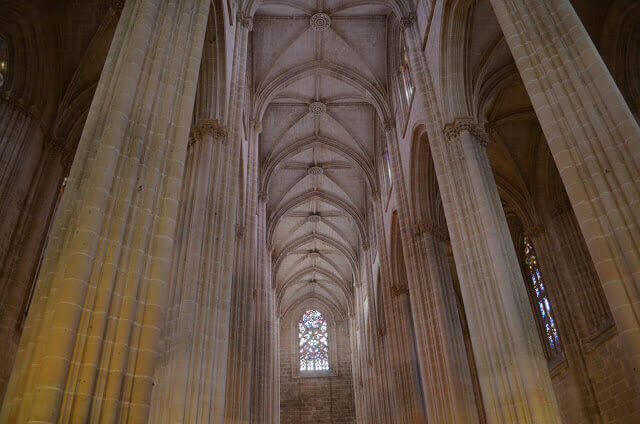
(190, 381)
(20, 149)
(19, 269)
(444, 368)
(511, 366)
(238, 402)
(595, 142)
(265, 389)
(398, 338)
(89, 345)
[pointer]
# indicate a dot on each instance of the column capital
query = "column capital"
(389, 125)
(408, 20)
(117, 5)
(245, 21)
(453, 130)
(427, 226)
(534, 231)
(207, 127)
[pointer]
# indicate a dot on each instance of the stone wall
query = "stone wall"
(316, 399)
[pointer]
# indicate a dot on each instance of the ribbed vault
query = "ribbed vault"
(320, 72)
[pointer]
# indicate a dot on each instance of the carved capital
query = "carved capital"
(117, 5)
(207, 127)
(389, 126)
(427, 226)
(453, 130)
(245, 21)
(398, 291)
(408, 20)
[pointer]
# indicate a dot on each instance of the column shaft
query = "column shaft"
(89, 345)
(190, 383)
(444, 370)
(595, 142)
(512, 369)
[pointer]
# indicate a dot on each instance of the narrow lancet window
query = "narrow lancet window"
(405, 75)
(313, 341)
(4, 61)
(543, 305)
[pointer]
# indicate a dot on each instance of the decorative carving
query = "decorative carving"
(314, 219)
(315, 170)
(320, 22)
(239, 231)
(389, 126)
(398, 291)
(427, 226)
(314, 255)
(207, 127)
(117, 5)
(452, 131)
(317, 108)
(245, 21)
(407, 21)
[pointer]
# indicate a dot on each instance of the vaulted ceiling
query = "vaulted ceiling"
(319, 73)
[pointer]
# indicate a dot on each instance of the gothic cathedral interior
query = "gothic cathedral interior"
(320, 211)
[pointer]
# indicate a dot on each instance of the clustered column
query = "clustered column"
(90, 342)
(512, 369)
(191, 378)
(595, 142)
(444, 370)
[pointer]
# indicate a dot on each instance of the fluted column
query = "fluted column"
(265, 388)
(595, 142)
(90, 342)
(511, 366)
(398, 339)
(238, 402)
(20, 266)
(20, 150)
(190, 381)
(445, 370)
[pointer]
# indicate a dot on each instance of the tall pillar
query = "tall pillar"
(446, 373)
(265, 388)
(24, 253)
(191, 378)
(20, 149)
(444, 369)
(89, 345)
(241, 343)
(398, 337)
(595, 142)
(512, 369)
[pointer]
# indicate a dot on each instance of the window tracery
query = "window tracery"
(313, 341)
(543, 305)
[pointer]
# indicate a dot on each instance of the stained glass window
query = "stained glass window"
(405, 74)
(543, 306)
(313, 341)
(387, 167)
(4, 61)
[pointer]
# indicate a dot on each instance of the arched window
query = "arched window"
(539, 291)
(4, 61)
(313, 341)
(405, 76)
(387, 168)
